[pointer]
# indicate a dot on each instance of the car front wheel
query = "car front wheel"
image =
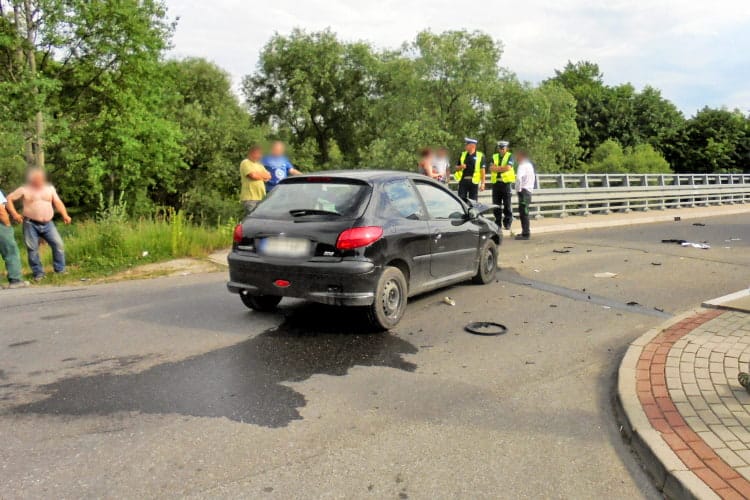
(262, 303)
(390, 299)
(487, 263)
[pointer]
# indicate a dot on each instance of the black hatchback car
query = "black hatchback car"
(360, 238)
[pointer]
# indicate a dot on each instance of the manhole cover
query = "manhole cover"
(485, 328)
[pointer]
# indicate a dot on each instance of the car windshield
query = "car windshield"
(314, 198)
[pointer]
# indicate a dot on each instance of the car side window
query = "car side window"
(402, 200)
(440, 205)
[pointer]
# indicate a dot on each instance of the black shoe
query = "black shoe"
(523, 237)
(14, 284)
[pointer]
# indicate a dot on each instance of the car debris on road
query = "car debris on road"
(685, 243)
(605, 275)
(487, 328)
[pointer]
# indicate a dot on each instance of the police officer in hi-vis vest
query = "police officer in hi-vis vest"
(502, 176)
(470, 171)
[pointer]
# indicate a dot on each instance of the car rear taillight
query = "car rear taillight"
(237, 236)
(358, 237)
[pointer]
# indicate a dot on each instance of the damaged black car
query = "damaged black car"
(360, 238)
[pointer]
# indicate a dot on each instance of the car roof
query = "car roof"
(367, 175)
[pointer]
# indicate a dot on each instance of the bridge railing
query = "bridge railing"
(585, 194)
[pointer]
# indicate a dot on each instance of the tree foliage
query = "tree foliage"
(87, 92)
(714, 140)
(611, 157)
(432, 91)
(620, 112)
(314, 87)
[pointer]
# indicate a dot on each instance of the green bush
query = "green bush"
(611, 158)
(211, 207)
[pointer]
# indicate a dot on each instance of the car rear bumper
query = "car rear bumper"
(345, 283)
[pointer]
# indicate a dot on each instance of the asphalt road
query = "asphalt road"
(170, 387)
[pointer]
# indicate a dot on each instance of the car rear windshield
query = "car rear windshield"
(316, 197)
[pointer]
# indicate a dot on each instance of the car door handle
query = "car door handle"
(438, 236)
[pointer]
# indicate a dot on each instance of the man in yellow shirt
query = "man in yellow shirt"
(253, 176)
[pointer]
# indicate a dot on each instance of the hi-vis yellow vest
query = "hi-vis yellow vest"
(477, 177)
(506, 177)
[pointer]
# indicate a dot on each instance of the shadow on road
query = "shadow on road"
(242, 382)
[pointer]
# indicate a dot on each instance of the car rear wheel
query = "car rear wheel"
(487, 263)
(390, 299)
(263, 303)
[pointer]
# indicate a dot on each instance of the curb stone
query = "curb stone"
(725, 302)
(669, 473)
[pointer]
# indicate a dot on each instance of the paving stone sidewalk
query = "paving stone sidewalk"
(684, 410)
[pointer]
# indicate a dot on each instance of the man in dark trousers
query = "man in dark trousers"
(470, 171)
(502, 176)
(525, 182)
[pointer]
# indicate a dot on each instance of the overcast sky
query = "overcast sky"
(696, 52)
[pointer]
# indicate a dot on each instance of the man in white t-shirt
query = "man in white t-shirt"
(525, 181)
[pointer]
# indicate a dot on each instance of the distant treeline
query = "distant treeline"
(87, 92)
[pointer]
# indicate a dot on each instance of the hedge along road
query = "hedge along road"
(169, 387)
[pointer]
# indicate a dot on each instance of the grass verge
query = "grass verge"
(110, 245)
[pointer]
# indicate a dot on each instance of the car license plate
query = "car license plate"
(284, 247)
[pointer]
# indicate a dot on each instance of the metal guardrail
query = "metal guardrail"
(585, 194)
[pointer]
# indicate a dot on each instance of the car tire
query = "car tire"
(261, 303)
(390, 301)
(487, 263)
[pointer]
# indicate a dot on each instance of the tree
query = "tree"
(620, 112)
(657, 120)
(456, 72)
(216, 130)
(539, 119)
(25, 25)
(714, 140)
(216, 135)
(84, 86)
(585, 82)
(315, 87)
(432, 92)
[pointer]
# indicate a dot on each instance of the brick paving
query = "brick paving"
(686, 382)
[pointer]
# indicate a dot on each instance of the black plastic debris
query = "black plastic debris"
(674, 241)
(487, 328)
(699, 224)
(632, 303)
(656, 263)
(677, 219)
(661, 310)
(564, 250)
